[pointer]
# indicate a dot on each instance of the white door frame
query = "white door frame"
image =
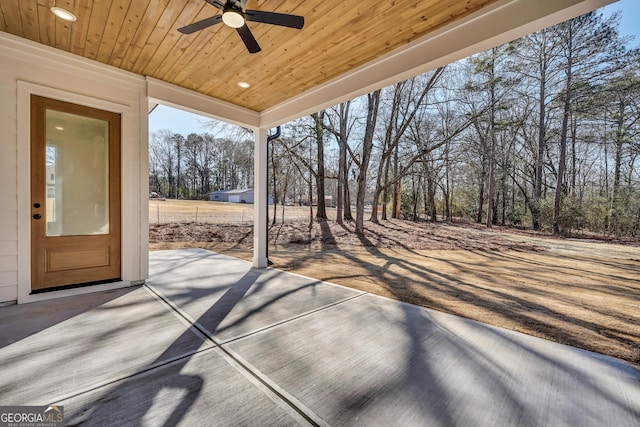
(129, 255)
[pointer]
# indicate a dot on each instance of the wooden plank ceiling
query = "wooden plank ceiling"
(142, 37)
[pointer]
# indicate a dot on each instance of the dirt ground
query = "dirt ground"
(584, 293)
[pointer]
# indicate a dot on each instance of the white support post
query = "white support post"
(260, 198)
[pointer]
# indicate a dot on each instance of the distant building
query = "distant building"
(234, 196)
(240, 196)
(219, 196)
(328, 201)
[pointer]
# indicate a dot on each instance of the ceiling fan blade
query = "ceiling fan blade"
(216, 3)
(200, 25)
(248, 39)
(273, 18)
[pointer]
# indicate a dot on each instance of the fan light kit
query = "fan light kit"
(63, 14)
(236, 16)
(232, 18)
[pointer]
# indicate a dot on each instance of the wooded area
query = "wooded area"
(543, 132)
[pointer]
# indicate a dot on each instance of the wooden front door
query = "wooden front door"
(75, 195)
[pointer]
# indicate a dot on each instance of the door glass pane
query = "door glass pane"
(77, 175)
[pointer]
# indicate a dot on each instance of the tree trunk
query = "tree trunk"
(431, 189)
(397, 194)
(367, 146)
(617, 173)
(448, 184)
(562, 161)
(310, 201)
(574, 159)
(348, 215)
(503, 185)
(414, 194)
(381, 189)
(492, 146)
(341, 182)
(271, 148)
(397, 188)
(542, 112)
(425, 190)
(179, 142)
(321, 212)
(483, 177)
(491, 185)
(342, 136)
(385, 194)
(285, 188)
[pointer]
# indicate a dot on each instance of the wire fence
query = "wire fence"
(161, 213)
(169, 211)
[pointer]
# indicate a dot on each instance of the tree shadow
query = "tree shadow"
(482, 373)
(18, 322)
(188, 387)
(524, 312)
(167, 370)
(112, 402)
(432, 393)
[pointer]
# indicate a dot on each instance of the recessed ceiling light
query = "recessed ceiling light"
(63, 14)
(59, 128)
(244, 85)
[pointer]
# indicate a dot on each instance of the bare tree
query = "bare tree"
(319, 128)
(407, 99)
(373, 104)
(537, 56)
(341, 133)
(591, 51)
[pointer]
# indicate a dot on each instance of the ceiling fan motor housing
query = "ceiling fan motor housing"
(234, 16)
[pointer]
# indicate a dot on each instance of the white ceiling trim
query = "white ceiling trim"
(159, 92)
(498, 23)
(20, 49)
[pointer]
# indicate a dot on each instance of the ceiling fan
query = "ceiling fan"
(235, 16)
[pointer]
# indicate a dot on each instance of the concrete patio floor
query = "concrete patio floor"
(210, 341)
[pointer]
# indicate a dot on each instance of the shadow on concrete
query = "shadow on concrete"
(188, 386)
(18, 322)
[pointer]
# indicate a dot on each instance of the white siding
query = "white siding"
(8, 187)
(27, 67)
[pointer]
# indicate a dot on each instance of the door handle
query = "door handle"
(37, 216)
